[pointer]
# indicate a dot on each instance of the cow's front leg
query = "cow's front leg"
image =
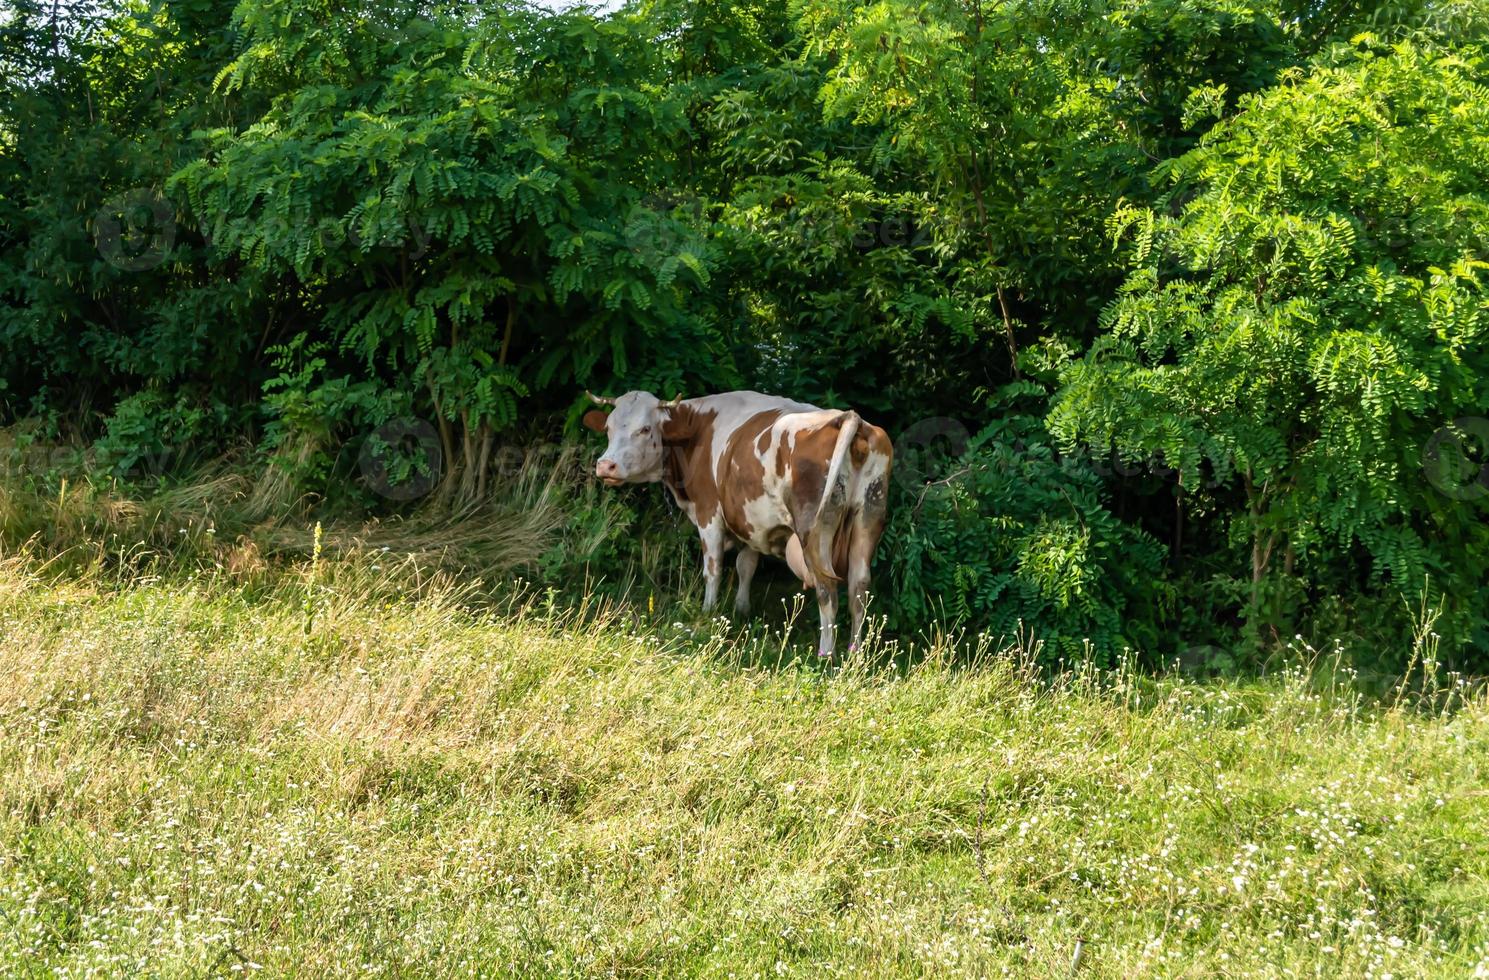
(744, 567)
(713, 562)
(827, 609)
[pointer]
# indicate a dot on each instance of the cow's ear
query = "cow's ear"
(594, 420)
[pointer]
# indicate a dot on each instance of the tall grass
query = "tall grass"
(542, 516)
(193, 782)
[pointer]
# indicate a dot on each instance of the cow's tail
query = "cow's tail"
(829, 517)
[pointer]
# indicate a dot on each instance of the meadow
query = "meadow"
(323, 653)
(333, 774)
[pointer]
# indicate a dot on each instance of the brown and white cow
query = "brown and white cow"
(769, 475)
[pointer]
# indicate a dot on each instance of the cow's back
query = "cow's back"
(762, 482)
(734, 411)
(700, 435)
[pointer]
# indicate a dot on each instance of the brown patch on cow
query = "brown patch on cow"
(687, 461)
(841, 542)
(742, 471)
(594, 420)
(808, 477)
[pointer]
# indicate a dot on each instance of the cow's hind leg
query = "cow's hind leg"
(827, 609)
(867, 526)
(744, 567)
(860, 554)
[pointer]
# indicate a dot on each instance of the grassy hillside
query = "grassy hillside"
(335, 781)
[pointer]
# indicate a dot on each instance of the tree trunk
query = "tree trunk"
(487, 437)
(1261, 549)
(446, 444)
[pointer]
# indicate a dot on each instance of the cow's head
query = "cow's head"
(634, 425)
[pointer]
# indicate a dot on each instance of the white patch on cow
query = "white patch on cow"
(765, 513)
(875, 467)
(713, 537)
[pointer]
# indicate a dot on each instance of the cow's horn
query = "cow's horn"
(597, 399)
(674, 402)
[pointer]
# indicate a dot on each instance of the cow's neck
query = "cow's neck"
(679, 446)
(672, 470)
(687, 458)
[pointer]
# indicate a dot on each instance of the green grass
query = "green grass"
(196, 783)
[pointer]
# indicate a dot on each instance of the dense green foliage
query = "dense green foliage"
(1301, 327)
(1016, 542)
(1207, 275)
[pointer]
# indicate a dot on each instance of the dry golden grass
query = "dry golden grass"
(219, 519)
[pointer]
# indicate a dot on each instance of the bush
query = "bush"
(1016, 540)
(151, 432)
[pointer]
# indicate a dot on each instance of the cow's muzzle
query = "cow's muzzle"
(608, 473)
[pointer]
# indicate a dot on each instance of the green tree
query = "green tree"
(1297, 331)
(103, 291)
(465, 189)
(1018, 543)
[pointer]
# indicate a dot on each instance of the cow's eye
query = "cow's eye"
(645, 430)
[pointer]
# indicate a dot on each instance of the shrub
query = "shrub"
(151, 431)
(1016, 539)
